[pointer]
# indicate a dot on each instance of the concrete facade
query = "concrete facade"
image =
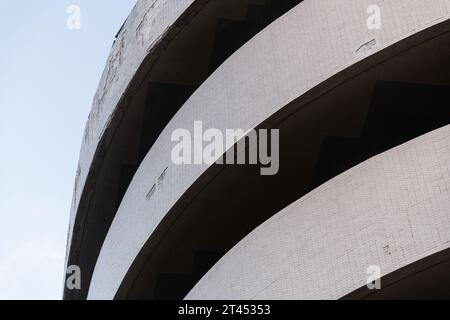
(315, 46)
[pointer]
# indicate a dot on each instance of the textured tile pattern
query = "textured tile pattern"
(309, 44)
(389, 211)
(145, 27)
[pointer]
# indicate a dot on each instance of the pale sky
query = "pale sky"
(48, 77)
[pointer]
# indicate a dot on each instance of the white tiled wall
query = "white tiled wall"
(309, 44)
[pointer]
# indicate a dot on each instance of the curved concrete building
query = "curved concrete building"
(358, 91)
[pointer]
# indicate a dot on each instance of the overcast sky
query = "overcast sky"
(48, 77)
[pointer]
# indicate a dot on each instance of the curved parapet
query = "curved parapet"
(147, 28)
(162, 54)
(144, 33)
(387, 212)
(286, 61)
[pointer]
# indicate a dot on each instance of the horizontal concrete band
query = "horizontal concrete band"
(294, 54)
(389, 211)
(144, 31)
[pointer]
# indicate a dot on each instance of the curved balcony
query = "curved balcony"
(311, 80)
(391, 212)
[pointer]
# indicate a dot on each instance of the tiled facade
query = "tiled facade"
(307, 46)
